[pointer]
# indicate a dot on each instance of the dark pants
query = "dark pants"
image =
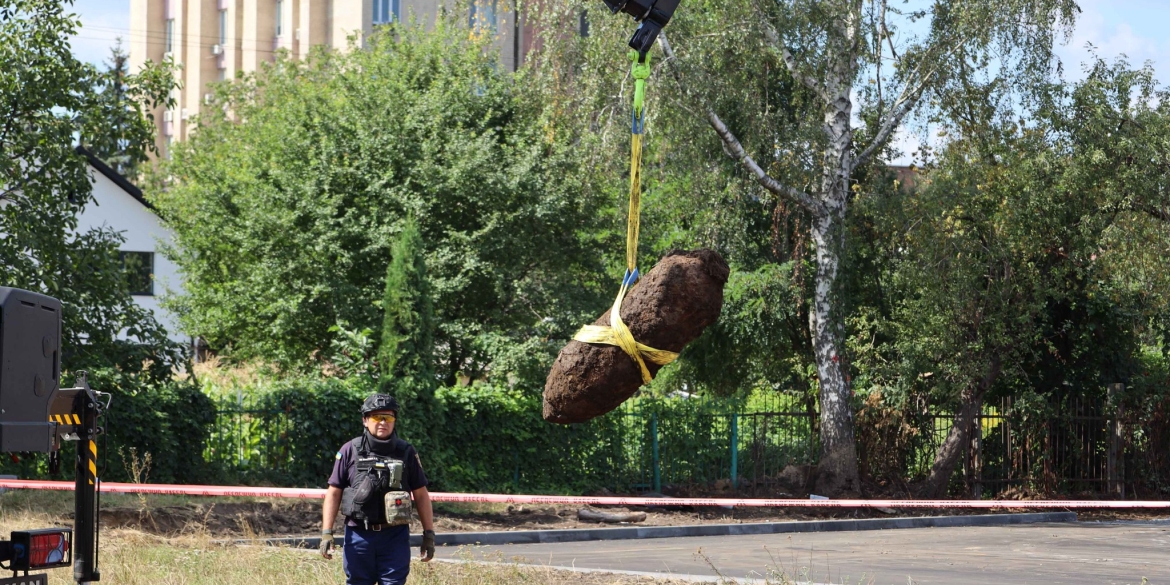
(376, 557)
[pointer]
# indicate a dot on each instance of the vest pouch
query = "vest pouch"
(361, 502)
(394, 470)
(348, 509)
(398, 508)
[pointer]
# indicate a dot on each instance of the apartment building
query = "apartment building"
(214, 39)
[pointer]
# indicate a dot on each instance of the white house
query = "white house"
(119, 205)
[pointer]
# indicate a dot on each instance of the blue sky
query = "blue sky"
(1136, 28)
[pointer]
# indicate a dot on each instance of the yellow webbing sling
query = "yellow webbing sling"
(618, 333)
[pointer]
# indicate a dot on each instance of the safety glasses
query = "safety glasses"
(386, 418)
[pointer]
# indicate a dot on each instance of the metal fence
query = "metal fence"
(648, 444)
(248, 440)
(702, 447)
(1067, 451)
(1069, 447)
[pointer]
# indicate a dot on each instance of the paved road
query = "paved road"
(1077, 553)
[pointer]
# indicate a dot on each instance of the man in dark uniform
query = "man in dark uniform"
(369, 473)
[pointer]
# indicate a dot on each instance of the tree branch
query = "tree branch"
(877, 55)
(907, 99)
(885, 31)
(736, 150)
(793, 69)
(1158, 214)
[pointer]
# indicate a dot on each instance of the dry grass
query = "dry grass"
(129, 557)
(194, 557)
(133, 558)
(219, 377)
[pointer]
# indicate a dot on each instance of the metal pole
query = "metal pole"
(734, 450)
(654, 451)
(85, 501)
(1115, 455)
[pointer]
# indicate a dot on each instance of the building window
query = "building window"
(279, 17)
(170, 35)
(385, 11)
(483, 16)
(222, 27)
(139, 268)
(583, 25)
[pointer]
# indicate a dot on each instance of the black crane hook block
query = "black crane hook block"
(652, 16)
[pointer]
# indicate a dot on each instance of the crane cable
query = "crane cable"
(617, 333)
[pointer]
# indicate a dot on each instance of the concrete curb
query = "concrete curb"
(639, 532)
(653, 575)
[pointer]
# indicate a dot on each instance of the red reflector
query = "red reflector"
(47, 549)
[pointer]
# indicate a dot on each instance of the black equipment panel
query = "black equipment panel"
(30, 369)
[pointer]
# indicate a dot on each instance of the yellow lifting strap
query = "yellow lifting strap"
(617, 333)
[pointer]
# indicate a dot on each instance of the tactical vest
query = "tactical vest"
(376, 495)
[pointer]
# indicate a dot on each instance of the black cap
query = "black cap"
(379, 402)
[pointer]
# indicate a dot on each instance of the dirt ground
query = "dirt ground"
(304, 517)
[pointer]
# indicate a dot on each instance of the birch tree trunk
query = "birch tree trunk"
(837, 471)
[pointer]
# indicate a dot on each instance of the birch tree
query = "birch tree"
(868, 66)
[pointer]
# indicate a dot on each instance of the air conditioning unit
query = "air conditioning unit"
(168, 55)
(208, 98)
(184, 115)
(169, 116)
(297, 34)
(216, 49)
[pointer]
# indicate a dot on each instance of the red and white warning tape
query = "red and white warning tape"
(310, 493)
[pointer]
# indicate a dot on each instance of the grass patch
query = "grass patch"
(129, 557)
(133, 558)
(196, 557)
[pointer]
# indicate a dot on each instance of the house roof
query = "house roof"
(114, 176)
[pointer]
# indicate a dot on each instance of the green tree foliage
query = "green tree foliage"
(1009, 269)
(287, 201)
(803, 146)
(47, 97)
(694, 195)
(113, 128)
(406, 356)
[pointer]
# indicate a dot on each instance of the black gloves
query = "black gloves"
(326, 547)
(428, 545)
(427, 549)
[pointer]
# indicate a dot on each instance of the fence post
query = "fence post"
(734, 450)
(977, 460)
(516, 470)
(654, 451)
(1115, 464)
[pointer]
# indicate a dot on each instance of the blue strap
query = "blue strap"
(637, 122)
(630, 278)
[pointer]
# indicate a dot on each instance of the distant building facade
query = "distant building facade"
(214, 39)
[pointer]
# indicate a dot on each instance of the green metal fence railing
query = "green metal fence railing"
(652, 444)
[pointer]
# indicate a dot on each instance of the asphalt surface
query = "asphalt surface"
(1065, 553)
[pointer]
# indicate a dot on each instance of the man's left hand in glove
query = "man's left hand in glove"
(428, 545)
